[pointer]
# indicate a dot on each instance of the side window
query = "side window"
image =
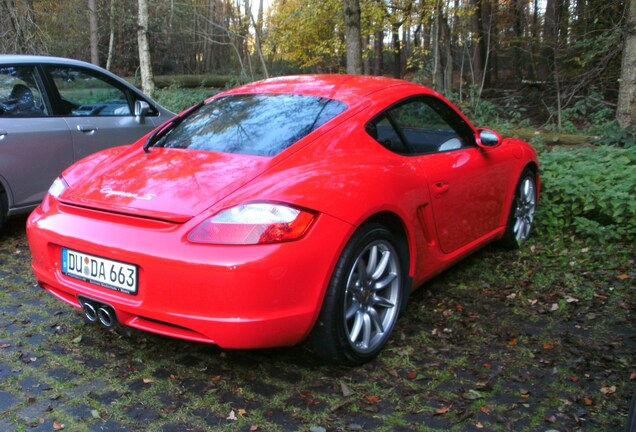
(20, 94)
(423, 125)
(84, 94)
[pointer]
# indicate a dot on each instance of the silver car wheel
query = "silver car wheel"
(526, 205)
(372, 296)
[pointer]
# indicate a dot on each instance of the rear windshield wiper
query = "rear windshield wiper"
(162, 130)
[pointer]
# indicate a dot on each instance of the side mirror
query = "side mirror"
(141, 109)
(488, 139)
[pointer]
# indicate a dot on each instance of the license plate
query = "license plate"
(106, 273)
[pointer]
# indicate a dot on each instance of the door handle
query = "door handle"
(87, 129)
(440, 188)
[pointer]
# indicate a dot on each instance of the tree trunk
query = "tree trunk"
(94, 36)
(517, 53)
(438, 73)
(626, 109)
(111, 38)
(378, 52)
(479, 51)
(352, 36)
(147, 79)
(397, 50)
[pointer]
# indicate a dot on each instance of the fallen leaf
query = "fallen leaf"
(31, 400)
(3, 346)
(478, 425)
(472, 395)
(532, 302)
(216, 378)
(513, 342)
(550, 419)
(58, 426)
(346, 390)
(548, 346)
(570, 299)
(148, 380)
(587, 401)
(412, 375)
(77, 339)
(487, 365)
(95, 414)
(574, 379)
(632, 376)
(602, 297)
(485, 409)
(622, 276)
(242, 412)
(585, 250)
(442, 410)
(554, 307)
(511, 296)
(232, 416)
(173, 377)
(372, 399)
(253, 428)
(608, 390)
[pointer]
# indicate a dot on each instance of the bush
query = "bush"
(176, 99)
(590, 191)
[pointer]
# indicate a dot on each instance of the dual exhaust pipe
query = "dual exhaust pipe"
(96, 312)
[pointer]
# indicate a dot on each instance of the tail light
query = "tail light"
(254, 223)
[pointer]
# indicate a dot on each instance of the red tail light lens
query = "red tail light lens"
(255, 223)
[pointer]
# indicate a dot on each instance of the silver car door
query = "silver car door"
(34, 147)
(98, 111)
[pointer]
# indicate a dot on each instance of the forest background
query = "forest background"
(562, 64)
(540, 339)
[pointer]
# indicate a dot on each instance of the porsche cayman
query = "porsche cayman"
(293, 209)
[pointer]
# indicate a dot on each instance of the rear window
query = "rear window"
(255, 124)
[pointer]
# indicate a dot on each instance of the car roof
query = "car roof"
(350, 89)
(29, 59)
(42, 59)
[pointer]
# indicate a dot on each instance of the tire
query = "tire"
(3, 208)
(522, 209)
(363, 300)
(630, 425)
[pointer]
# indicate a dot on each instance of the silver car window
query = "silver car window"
(84, 94)
(20, 94)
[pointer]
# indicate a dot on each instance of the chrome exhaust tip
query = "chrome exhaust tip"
(106, 316)
(89, 312)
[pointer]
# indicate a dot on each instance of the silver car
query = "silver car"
(55, 111)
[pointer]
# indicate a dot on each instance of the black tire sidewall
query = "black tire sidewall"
(329, 337)
(509, 241)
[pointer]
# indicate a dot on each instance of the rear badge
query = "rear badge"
(110, 192)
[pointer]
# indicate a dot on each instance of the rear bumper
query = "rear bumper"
(233, 296)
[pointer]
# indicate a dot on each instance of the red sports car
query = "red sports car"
(291, 209)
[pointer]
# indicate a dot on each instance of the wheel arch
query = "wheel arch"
(5, 197)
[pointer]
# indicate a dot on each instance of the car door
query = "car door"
(467, 183)
(35, 147)
(99, 111)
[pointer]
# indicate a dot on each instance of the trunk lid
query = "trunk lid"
(167, 184)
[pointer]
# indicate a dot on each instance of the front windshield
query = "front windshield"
(252, 124)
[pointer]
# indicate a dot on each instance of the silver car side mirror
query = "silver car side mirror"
(141, 109)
